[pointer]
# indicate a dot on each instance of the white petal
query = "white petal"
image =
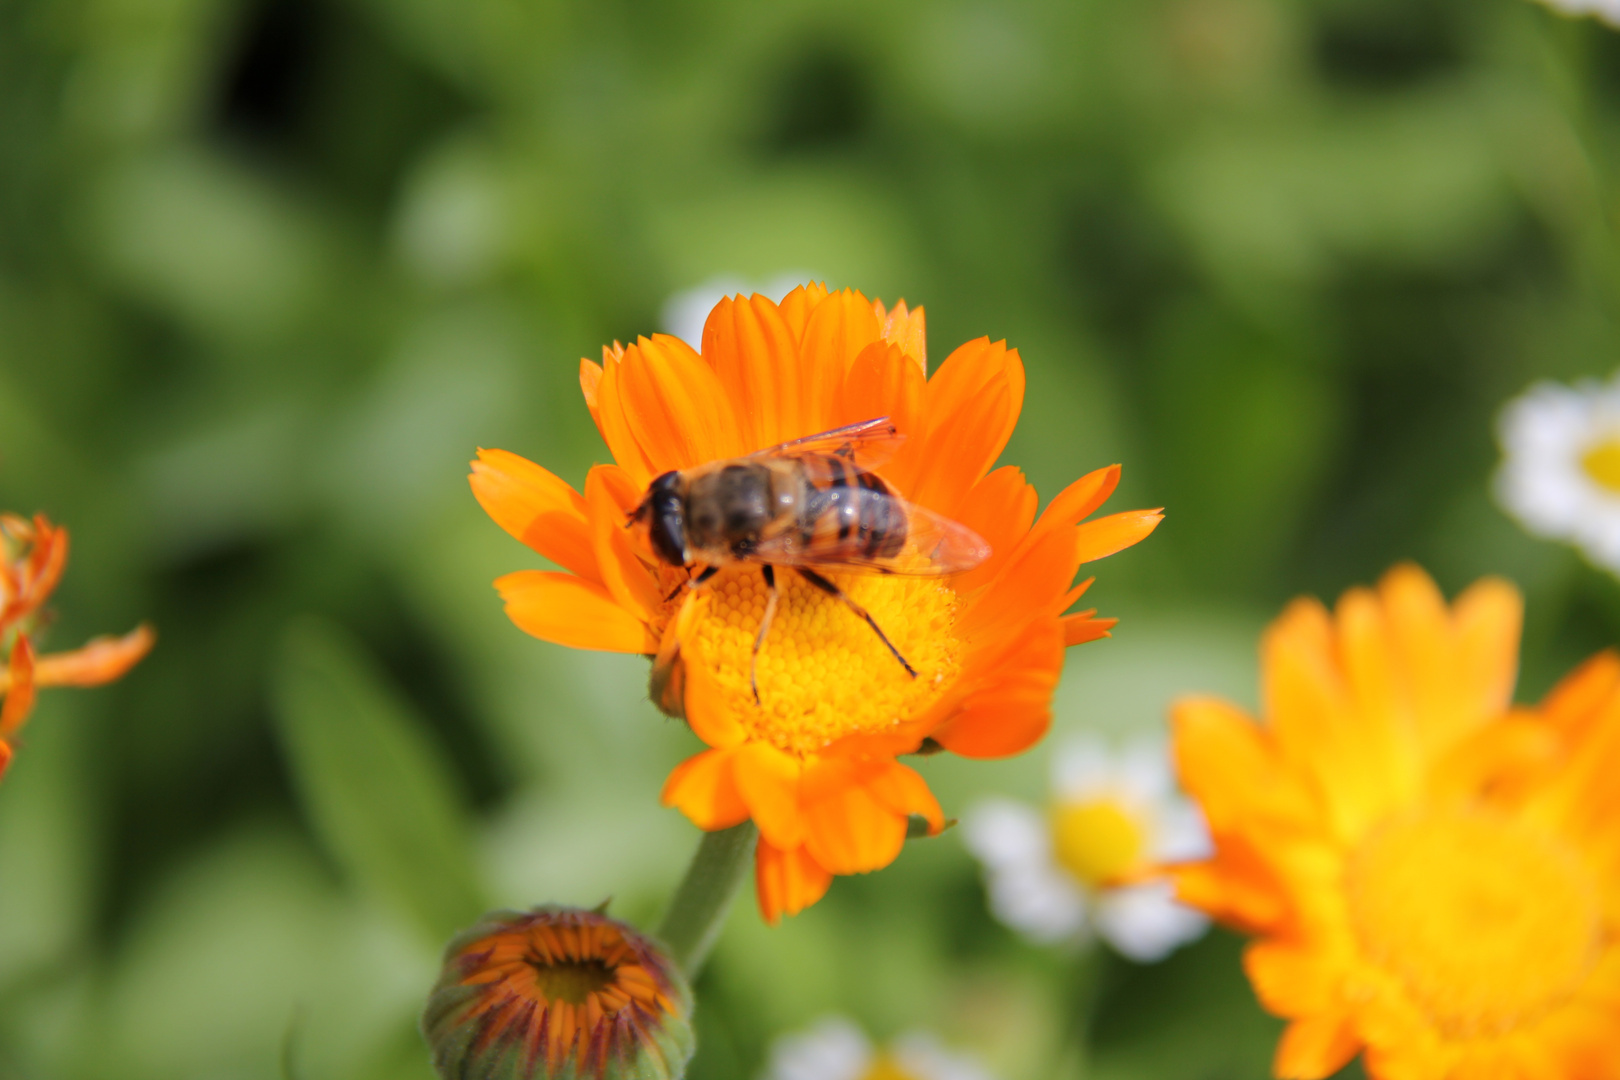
(834, 1049)
(1144, 771)
(1082, 767)
(1042, 903)
(1004, 833)
(1145, 923)
(922, 1056)
(1180, 833)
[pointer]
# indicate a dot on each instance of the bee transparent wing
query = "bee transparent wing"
(935, 546)
(867, 445)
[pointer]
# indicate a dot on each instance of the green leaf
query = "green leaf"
(371, 781)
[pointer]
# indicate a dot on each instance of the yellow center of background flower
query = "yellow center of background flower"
(886, 1068)
(1486, 923)
(1097, 840)
(1601, 461)
(823, 673)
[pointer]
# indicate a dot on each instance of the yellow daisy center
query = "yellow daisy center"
(1487, 923)
(1601, 461)
(823, 674)
(886, 1068)
(1097, 840)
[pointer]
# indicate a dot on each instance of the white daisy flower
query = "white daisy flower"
(685, 313)
(1607, 10)
(835, 1049)
(1061, 874)
(1560, 474)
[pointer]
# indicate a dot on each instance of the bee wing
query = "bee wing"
(867, 445)
(944, 546)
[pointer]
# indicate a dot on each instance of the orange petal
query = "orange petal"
(768, 780)
(1234, 771)
(973, 404)
(1105, 536)
(613, 421)
(1012, 713)
(610, 495)
(5, 757)
(590, 379)
(848, 829)
(1293, 980)
(884, 382)
(535, 507)
(1579, 697)
(709, 710)
(1081, 499)
(907, 329)
(755, 356)
(1315, 1049)
(98, 661)
(797, 305)
(676, 406)
(1032, 583)
(903, 790)
(1083, 626)
(704, 788)
(786, 882)
(20, 687)
(1000, 508)
(840, 327)
(571, 611)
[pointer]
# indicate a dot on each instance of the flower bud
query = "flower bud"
(558, 994)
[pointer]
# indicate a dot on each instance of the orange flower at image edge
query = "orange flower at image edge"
(33, 555)
(1433, 874)
(812, 760)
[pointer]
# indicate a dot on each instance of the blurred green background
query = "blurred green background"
(270, 271)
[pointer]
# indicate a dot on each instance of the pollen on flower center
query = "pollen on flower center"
(1097, 840)
(823, 674)
(1601, 462)
(1487, 923)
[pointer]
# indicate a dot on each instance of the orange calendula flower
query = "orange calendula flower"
(803, 737)
(558, 994)
(1432, 873)
(33, 555)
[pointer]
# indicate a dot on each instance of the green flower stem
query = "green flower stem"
(698, 911)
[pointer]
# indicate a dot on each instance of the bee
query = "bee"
(808, 505)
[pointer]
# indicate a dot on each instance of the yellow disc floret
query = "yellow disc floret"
(1601, 461)
(1097, 840)
(1487, 922)
(823, 674)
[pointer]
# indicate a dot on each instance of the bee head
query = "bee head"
(663, 513)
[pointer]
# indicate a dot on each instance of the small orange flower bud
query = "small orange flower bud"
(558, 994)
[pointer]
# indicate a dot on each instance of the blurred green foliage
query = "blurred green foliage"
(270, 270)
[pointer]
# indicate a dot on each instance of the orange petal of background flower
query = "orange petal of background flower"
(1106, 536)
(569, 610)
(100, 660)
(787, 882)
(704, 788)
(1231, 767)
(536, 507)
(1315, 1049)
(1293, 981)
(20, 688)
(1579, 697)
(755, 356)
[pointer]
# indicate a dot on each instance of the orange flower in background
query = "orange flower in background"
(1433, 875)
(33, 555)
(811, 758)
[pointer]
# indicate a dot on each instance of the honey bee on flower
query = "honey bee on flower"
(804, 721)
(1084, 864)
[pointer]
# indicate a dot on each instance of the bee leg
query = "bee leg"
(764, 625)
(693, 582)
(832, 589)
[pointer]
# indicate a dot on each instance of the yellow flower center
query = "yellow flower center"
(1097, 840)
(1486, 922)
(886, 1068)
(1602, 463)
(823, 674)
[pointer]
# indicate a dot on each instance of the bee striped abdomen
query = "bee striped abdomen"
(848, 513)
